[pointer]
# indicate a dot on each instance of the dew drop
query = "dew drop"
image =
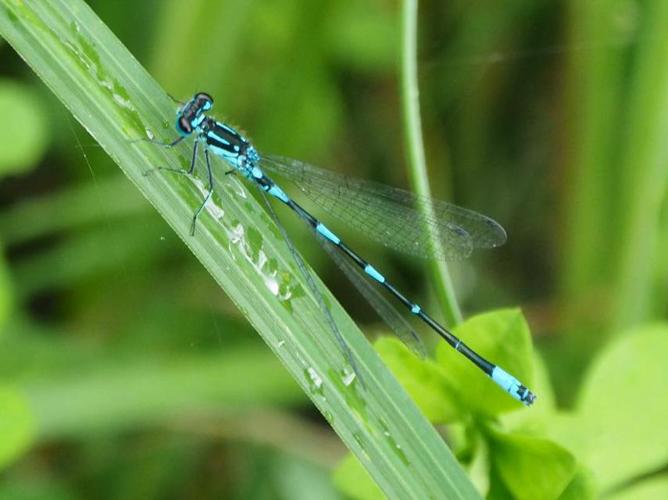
(315, 378)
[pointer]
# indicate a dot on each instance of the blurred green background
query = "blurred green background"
(138, 377)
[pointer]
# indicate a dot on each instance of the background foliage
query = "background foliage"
(549, 116)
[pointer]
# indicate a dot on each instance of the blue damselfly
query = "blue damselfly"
(388, 215)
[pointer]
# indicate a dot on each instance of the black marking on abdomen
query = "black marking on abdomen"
(415, 309)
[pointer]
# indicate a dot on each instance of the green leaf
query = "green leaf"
(649, 489)
(531, 467)
(117, 102)
(24, 142)
(502, 337)
(352, 480)
(424, 380)
(16, 425)
(497, 488)
(581, 487)
(619, 428)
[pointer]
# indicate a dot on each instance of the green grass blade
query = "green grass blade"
(592, 207)
(644, 177)
(72, 207)
(116, 100)
(416, 158)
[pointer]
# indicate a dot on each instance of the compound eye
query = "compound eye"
(184, 125)
(204, 100)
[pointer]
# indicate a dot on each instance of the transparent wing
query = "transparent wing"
(390, 215)
(370, 292)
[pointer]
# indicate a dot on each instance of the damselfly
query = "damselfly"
(388, 215)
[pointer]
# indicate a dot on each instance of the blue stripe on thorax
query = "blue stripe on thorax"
(212, 135)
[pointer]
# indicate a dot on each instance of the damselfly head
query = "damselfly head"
(191, 115)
